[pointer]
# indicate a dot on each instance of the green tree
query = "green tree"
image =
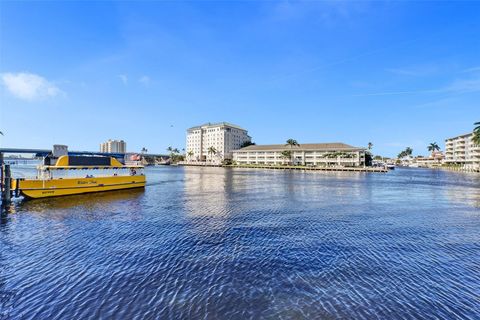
(212, 151)
(405, 153)
(433, 147)
(287, 154)
(476, 134)
(292, 143)
(370, 145)
(174, 154)
(190, 153)
(247, 143)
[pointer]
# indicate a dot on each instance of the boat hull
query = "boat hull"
(70, 186)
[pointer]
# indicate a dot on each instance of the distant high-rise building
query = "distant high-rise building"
(214, 142)
(113, 146)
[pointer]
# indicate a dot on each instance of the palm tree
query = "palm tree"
(408, 151)
(370, 145)
(433, 147)
(287, 154)
(211, 151)
(292, 143)
(190, 153)
(176, 151)
(1, 133)
(170, 149)
(144, 150)
(476, 134)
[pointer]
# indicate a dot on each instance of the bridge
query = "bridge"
(5, 173)
(46, 152)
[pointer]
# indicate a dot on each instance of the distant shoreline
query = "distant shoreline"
(287, 167)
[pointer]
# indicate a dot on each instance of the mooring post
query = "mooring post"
(1, 177)
(6, 184)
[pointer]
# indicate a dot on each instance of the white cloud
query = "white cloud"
(457, 86)
(124, 78)
(465, 85)
(29, 86)
(144, 80)
(417, 71)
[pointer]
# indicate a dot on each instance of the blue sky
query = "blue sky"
(396, 73)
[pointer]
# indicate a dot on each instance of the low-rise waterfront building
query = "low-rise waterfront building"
(113, 146)
(214, 142)
(309, 154)
(461, 151)
(434, 160)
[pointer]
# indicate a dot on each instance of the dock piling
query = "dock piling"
(6, 182)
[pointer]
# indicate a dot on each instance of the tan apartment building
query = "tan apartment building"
(434, 160)
(113, 146)
(310, 154)
(214, 142)
(462, 151)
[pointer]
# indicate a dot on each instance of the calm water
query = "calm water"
(218, 243)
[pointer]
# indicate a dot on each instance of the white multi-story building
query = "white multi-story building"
(462, 151)
(113, 146)
(310, 154)
(214, 142)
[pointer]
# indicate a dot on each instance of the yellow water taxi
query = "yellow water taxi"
(80, 174)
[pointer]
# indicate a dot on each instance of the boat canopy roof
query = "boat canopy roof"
(88, 162)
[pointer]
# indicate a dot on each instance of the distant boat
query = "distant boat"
(390, 166)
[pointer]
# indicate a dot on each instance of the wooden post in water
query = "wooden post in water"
(6, 182)
(7, 197)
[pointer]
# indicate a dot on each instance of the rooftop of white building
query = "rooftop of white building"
(460, 136)
(333, 146)
(216, 124)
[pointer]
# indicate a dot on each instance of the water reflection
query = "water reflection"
(463, 196)
(206, 198)
(87, 206)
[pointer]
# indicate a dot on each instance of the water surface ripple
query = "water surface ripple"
(213, 243)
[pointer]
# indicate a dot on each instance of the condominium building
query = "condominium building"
(113, 146)
(462, 151)
(214, 142)
(310, 154)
